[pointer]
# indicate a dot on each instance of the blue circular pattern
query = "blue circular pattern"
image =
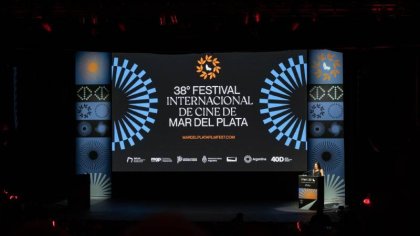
(133, 83)
(84, 128)
(335, 110)
(329, 154)
(287, 127)
(317, 129)
(102, 110)
(335, 129)
(95, 156)
(101, 128)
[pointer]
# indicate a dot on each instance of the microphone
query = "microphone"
(306, 172)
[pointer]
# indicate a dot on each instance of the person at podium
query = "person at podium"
(317, 170)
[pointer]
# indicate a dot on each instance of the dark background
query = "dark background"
(379, 39)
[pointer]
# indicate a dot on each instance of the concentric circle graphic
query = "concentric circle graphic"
(335, 110)
(95, 156)
(101, 128)
(335, 129)
(102, 110)
(329, 154)
(84, 128)
(284, 114)
(136, 88)
(317, 129)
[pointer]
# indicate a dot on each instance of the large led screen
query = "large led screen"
(209, 111)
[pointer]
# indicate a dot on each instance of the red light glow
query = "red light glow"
(257, 17)
(367, 201)
(298, 227)
(47, 27)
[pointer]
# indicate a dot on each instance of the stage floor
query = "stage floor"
(118, 210)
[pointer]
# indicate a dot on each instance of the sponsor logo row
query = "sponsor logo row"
(205, 159)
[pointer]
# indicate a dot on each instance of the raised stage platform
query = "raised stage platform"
(129, 210)
(113, 217)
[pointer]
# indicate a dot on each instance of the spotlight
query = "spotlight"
(13, 197)
(257, 17)
(53, 224)
(162, 20)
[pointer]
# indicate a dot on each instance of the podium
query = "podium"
(311, 192)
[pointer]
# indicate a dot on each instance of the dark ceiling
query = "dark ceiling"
(164, 25)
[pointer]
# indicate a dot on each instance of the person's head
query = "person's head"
(317, 166)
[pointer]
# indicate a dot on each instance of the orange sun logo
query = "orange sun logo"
(326, 66)
(92, 66)
(208, 67)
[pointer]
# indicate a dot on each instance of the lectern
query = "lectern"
(311, 192)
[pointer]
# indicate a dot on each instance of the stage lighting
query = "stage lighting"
(47, 27)
(252, 17)
(367, 201)
(162, 20)
(257, 17)
(174, 19)
(168, 18)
